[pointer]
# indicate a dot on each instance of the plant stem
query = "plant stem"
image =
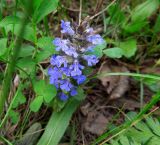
(11, 66)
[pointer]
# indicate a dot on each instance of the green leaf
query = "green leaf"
(80, 94)
(124, 140)
(20, 99)
(14, 116)
(58, 124)
(46, 90)
(3, 46)
(46, 43)
(156, 28)
(36, 4)
(117, 15)
(47, 48)
(144, 10)
(28, 33)
(113, 52)
(36, 103)
(133, 27)
(26, 50)
(129, 47)
(44, 9)
(28, 65)
(98, 50)
(10, 20)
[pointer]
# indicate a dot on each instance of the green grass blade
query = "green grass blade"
(11, 66)
(57, 124)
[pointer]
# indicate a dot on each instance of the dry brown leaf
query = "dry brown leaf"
(116, 86)
(127, 103)
(95, 123)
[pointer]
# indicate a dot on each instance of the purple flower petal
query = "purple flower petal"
(63, 97)
(66, 28)
(73, 92)
(66, 85)
(95, 39)
(91, 59)
(80, 79)
(76, 68)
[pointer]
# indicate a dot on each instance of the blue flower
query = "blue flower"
(73, 92)
(54, 72)
(63, 97)
(71, 51)
(66, 66)
(91, 59)
(95, 39)
(58, 61)
(54, 81)
(60, 44)
(76, 68)
(66, 71)
(66, 28)
(89, 30)
(55, 75)
(80, 79)
(65, 85)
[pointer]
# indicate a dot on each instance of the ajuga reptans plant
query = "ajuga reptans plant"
(74, 47)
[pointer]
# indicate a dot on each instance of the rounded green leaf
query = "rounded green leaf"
(36, 104)
(46, 90)
(113, 52)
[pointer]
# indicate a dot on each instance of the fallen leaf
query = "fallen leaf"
(116, 86)
(95, 123)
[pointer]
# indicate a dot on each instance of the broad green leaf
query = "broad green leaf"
(58, 123)
(3, 46)
(113, 52)
(14, 116)
(98, 50)
(47, 48)
(46, 43)
(36, 103)
(28, 7)
(129, 47)
(10, 20)
(28, 65)
(28, 33)
(144, 10)
(46, 90)
(20, 99)
(26, 50)
(133, 27)
(44, 9)
(36, 4)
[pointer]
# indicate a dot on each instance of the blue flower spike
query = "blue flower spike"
(66, 71)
